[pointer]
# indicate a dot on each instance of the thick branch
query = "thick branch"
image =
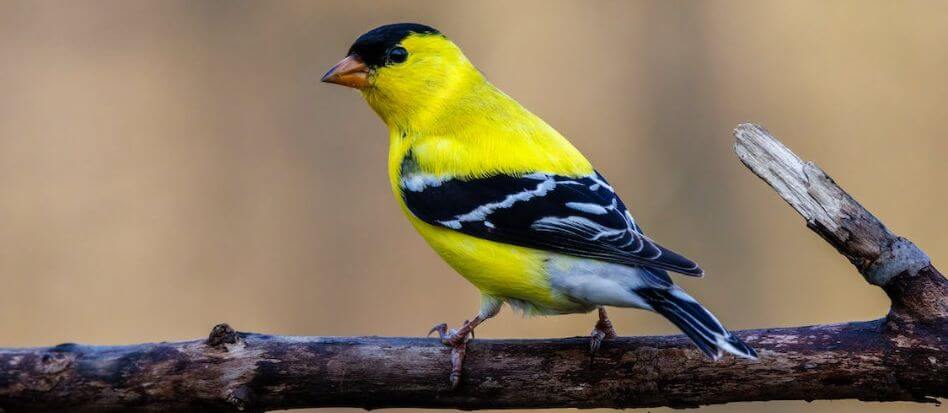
(901, 357)
(258, 371)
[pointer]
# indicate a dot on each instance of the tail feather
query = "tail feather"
(696, 322)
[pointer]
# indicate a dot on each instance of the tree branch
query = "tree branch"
(903, 356)
(883, 258)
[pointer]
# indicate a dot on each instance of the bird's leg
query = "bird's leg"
(454, 337)
(457, 340)
(601, 331)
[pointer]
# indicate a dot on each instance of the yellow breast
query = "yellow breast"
(473, 130)
(496, 269)
(500, 270)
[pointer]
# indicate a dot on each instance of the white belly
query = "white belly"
(595, 282)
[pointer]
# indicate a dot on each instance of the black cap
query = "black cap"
(374, 45)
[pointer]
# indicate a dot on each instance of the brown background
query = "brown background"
(165, 166)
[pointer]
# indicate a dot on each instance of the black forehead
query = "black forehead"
(373, 45)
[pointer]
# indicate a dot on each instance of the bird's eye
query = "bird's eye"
(398, 54)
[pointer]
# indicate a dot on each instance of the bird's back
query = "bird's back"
(485, 133)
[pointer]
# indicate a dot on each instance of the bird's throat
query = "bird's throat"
(430, 106)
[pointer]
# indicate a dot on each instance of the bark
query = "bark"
(902, 357)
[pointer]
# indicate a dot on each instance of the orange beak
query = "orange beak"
(351, 72)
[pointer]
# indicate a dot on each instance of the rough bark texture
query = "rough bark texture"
(901, 357)
(253, 371)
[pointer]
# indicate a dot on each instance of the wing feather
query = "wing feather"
(575, 216)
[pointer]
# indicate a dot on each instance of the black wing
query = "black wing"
(575, 216)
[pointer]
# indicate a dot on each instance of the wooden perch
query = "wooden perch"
(903, 356)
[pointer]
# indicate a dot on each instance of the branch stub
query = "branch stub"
(221, 335)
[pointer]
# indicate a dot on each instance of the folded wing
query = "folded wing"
(575, 216)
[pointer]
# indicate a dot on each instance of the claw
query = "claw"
(457, 361)
(595, 340)
(450, 337)
(601, 331)
(457, 340)
(442, 330)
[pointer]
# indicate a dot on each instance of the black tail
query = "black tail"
(695, 321)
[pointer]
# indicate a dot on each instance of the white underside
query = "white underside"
(591, 283)
(595, 282)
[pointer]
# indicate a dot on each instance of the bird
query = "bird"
(507, 201)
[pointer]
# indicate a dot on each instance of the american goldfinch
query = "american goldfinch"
(507, 201)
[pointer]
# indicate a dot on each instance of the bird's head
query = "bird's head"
(406, 71)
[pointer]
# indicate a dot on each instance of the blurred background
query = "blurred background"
(169, 165)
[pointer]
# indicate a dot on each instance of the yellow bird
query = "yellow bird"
(506, 200)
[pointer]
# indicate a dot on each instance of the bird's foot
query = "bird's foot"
(453, 337)
(600, 332)
(456, 339)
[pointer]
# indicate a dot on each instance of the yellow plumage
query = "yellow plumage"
(506, 200)
(458, 124)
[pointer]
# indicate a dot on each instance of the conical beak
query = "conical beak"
(351, 72)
